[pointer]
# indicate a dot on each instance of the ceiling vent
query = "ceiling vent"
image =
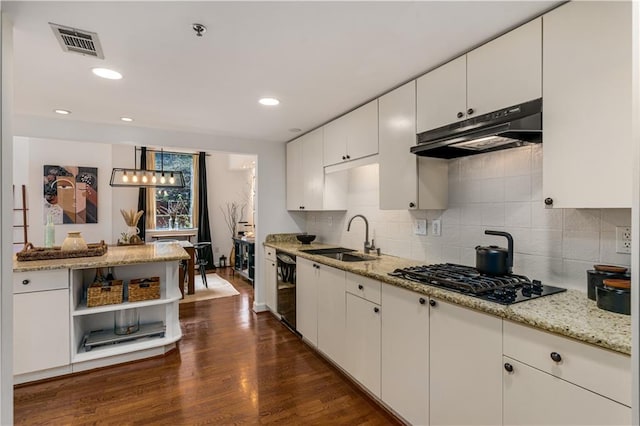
(78, 41)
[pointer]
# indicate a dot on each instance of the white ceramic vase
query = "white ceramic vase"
(74, 241)
(132, 230)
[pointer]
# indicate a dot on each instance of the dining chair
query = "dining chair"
(202, 254)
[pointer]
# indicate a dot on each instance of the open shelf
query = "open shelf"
(99, 338)
(82, 308)
(123, 348)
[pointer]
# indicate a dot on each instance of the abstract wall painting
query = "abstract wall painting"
(71, 194)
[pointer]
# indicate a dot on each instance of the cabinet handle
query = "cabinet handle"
(508, 367)
(273, 264)
(432, 302)
(548, 201)
(470, 111)
(376, 310)
(25, 282)
(556, 356)
(460, 114)
(348, 157)
(422, 301)
(360, 287)
(344, 158)
(412, 205)
(301, 207)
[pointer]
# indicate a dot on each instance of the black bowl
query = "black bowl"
(305, 238)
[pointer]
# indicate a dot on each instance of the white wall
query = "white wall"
(28, 170)
(272, 216)
(500, 191)
(122, 156)
(6, 205)
(225, 183)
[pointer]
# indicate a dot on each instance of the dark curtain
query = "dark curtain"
(142, 196)
(204, 230)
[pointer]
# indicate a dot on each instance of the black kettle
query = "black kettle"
(494, 260)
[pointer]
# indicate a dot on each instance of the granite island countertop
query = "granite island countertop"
(115, 255)
(571, 313)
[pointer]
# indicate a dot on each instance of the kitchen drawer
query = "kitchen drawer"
(599, 370)
(364, 287)
(26, 282)
(270, 253)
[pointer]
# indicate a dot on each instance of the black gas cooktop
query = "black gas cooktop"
(503, 289)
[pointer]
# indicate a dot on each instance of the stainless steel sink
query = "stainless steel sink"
(331, 250)
(340, 253)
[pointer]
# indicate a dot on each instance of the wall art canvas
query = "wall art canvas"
(71, 194)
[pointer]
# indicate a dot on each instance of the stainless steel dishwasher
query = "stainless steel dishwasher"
(286, 295)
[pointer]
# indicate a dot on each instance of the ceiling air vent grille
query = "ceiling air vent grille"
(78, 41)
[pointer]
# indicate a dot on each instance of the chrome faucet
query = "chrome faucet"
(367, 246)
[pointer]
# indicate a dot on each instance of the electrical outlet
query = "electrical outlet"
(420, 227)
(623, 239)
(436, 230)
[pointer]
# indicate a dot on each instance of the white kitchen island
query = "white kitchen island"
(52, 320)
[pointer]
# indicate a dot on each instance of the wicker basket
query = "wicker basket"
(104, 293)
(29, 252)
(144, 289)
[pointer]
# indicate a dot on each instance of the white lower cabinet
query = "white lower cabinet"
(465, 366)
(574, 382)
(438, 363)
(307, 299)
(362, 359)
(40, 341)
(533, 397)
(405, 353)
(270, 278)
(331, 313)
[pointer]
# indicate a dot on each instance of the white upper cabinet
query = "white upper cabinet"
(504, 72)
(307, 186)
(352, 136)
(295, 179)
(442, 95)
(587, 148)
(397, 165)
(406, 181)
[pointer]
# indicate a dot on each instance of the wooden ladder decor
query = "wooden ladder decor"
(20, 221)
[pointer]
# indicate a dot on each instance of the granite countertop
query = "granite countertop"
(115, 255)
(570, 313)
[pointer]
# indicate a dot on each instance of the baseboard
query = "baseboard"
(260, 307)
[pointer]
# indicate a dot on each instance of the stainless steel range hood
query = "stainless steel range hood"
(510, 127)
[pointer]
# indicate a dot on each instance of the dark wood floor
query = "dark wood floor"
(232, 367)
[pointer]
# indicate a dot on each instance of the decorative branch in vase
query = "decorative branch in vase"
(232, 213)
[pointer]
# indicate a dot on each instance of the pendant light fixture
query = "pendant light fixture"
(142, 178)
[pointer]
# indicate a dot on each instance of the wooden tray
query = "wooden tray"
(29, 252)
(141, 243)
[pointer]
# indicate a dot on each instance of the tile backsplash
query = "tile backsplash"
(501, 191)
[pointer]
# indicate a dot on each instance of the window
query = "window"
(174, 207)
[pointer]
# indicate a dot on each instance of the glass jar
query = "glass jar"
(126, 321)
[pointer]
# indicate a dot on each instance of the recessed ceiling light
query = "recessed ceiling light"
(107, 73)
(269, 101)
(127, 119)
(295, 130)
(62, 111)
